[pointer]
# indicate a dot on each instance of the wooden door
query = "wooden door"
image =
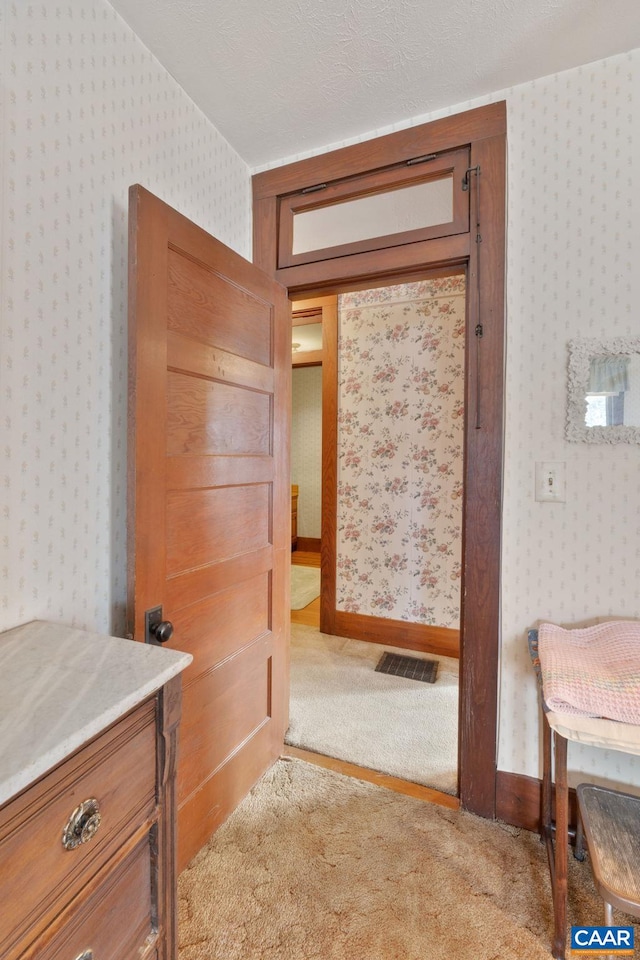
(209, 517)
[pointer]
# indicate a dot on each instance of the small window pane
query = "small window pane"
(377, 215)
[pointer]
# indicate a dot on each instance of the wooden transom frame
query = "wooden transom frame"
(432, 168)
(480, 252)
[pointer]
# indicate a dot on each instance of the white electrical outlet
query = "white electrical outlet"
(550, 481)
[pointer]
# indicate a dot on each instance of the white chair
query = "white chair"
(557, 730)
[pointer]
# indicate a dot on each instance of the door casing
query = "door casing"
(481, 253)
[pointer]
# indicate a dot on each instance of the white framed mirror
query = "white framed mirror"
(604, 390)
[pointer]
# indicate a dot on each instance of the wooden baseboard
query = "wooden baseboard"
(398, 633)
(309, 544)
(518, 800)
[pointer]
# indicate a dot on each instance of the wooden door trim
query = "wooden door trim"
(447, 133)
(328, 533)
(146, 299)
(452, 164)
(484, 130)
(328, 308)
(482, 487)
(359, 268)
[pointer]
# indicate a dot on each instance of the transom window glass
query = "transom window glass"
(395, 211)
(404, 203)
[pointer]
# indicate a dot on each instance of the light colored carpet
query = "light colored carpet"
(316, 866)
(342, 708)
(305, 586)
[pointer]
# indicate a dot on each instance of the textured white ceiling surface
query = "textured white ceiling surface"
(281, 77)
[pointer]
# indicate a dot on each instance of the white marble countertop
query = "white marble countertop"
(60, 686)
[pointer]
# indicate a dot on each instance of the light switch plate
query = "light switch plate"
(551, 481)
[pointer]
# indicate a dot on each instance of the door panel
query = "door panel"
(196, 294)
(206, 417)
(235, 698)
(222, 792)
(186, 354)
(209, 498)
(221, 523)
(207, 581)
(224, 622)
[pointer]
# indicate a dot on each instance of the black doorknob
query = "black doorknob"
(162, 631)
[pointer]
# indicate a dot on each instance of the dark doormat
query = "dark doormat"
(413, 668)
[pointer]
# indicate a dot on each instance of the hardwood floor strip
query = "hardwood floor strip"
(309, 616)
(406, 787)
(305, 558)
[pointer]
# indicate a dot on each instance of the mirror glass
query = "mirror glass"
(604, 391)
(613, 397)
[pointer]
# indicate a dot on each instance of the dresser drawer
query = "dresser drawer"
(113, 923)
(39, 876)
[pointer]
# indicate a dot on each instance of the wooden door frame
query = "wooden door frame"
(481, 252)
(327, 307)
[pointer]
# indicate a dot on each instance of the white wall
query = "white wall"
(87, 111)
(306, 448)
(572, 252)
(572, 271)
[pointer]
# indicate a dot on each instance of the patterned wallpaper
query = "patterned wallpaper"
(306, 448)
(87, 111)
(400, 443)
(572, 251)
(632, 395)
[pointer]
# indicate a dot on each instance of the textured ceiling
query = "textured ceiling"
(280, 77)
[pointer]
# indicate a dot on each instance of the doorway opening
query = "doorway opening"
(306, 488)
(306, 453)
(397, 534)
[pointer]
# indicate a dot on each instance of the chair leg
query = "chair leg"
(578, 850)
(561, 848)
(547, 818)
(608, 919)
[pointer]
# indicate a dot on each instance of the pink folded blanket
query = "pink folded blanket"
(593, 672)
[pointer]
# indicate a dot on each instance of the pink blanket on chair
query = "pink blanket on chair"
(593, 672)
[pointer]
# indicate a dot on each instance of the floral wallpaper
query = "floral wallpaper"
(400, 447)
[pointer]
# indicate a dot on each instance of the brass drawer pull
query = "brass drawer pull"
(79, 828)
(85, 955)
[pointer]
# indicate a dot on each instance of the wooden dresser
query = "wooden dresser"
(87, 783)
